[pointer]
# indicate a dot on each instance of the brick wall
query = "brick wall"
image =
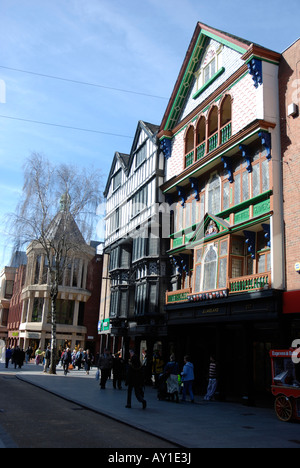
(289, 92)
(15, 309)
(91, 312)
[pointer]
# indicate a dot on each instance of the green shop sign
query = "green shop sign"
(177, 297)
(103, 325)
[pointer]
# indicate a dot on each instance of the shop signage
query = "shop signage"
(177, 297)
(103, 325)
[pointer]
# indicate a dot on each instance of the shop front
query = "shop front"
(239, 332)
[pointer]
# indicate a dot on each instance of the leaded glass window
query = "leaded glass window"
(214, 195)
(210, 269)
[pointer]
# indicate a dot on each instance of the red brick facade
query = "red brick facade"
(91, 313)
(15, 309)
(289, 93)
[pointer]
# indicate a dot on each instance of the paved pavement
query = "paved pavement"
(199, 425)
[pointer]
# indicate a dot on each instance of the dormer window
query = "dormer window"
(117, 179)
(141, 155)
(210, 70)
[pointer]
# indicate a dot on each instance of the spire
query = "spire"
(65, 202)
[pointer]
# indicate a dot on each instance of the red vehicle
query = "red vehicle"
(286, 383)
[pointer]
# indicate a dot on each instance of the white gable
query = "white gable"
(217, 64)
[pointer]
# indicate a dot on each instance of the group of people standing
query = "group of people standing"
(176, 382)
(78, 358)
(134, 373)
(16, 355)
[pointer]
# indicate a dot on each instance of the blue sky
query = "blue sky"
(132, 50)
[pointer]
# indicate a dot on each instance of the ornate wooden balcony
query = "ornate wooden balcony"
(239, 285)
(250, 283)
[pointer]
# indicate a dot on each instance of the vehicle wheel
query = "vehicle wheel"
(283, 408)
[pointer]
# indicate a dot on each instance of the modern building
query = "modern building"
(221, 138)
(76, 322)
(134, 266)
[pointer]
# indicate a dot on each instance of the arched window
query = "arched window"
(189, 147)
(210, 269)
(214, 195)
(226, 119)
(213, 129)
(200, 138)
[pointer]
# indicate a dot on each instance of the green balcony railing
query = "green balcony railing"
(225, 133)
(200, 151)
(213, 142)
(250, 283)
(189, 159)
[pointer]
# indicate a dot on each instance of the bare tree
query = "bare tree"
(57, 213)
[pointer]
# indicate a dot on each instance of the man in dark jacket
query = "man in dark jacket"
(135, 380)
(105, 365)
(66, 360)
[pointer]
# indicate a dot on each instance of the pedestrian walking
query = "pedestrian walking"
(188, 379)
(157, 366)
(8, 355)
(134, 380)
(28, 354)
(171, 371)
(47, 358)
(105, 364)
(212, 380)
(38, 356)
(18, 357)
(66, 360)
(118, 370)
(87, 361)
(78, 358)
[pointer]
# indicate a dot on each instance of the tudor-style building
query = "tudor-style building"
(134, 268)
(221, 138)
